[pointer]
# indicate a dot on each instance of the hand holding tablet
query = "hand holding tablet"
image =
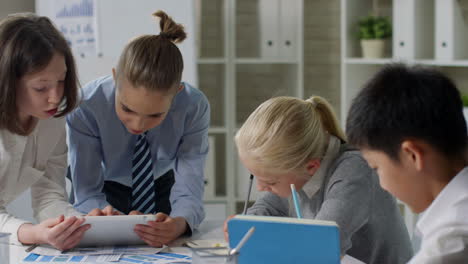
(162, 231)
(114, 230)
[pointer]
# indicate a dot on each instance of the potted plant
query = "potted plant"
(373, 33)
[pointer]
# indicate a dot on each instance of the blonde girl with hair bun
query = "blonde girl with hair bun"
(287, 141)
(139, 139)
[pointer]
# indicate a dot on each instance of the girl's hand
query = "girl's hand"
(108, 210)
(58, 232)
(225, 228)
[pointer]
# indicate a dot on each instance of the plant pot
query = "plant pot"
(373, 48)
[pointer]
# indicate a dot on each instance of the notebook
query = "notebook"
(285, 240)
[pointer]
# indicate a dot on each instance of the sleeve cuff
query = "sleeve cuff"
(191, 220)
(12, 227)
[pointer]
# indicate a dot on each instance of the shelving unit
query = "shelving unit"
(244, 59)
(430, 28)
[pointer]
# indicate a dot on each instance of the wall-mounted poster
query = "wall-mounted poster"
(77, 20)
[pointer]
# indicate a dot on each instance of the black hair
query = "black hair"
(402, 102)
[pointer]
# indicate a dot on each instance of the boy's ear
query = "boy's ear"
(412, 152)
(312, 166)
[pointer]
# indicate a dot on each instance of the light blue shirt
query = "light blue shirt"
(101, 148)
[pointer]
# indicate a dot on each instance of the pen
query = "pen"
(296, 202)
(248, 194)
(243, 241)
(31, 248)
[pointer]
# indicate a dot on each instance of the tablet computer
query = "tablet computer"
(113, 230)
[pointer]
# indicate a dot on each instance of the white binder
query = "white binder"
(413, 29)
(279, 28)
(289, 27)
(451, 31)
(269, 15)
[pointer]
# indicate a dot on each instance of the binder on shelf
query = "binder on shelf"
(285, 240)
(289, 27)
(269, 14)
(413, 30)
(210, 170)
(451, 30)
(279, 27)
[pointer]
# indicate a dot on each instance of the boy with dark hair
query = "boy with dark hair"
(409, 125)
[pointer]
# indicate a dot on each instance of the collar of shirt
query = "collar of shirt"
(441, 209)
(315, 182)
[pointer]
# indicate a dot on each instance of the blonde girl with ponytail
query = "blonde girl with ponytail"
(138, 140)
(292, 141)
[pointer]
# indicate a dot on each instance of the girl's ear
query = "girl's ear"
(413, 153)
(114, 75)
(312, 166)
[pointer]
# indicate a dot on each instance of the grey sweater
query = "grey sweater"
(371, 226)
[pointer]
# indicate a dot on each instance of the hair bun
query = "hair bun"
(169, 28)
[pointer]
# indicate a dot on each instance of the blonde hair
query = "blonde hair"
(154, 61)
(283, 133)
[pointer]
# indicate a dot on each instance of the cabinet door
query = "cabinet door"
(289, 27)
(269, 16)
(278, 28)
(403, 29)
(451, 31)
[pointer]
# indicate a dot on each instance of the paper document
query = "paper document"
(116, 254)
(116, 250)
(35, 258)
(206, 243)
(160, 258)
(347, 259)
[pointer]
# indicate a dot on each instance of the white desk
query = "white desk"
(207, 230)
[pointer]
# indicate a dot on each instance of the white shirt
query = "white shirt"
(39, 161)
(444, 225)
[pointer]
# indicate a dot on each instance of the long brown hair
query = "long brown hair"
(154, 61)
(27, 45)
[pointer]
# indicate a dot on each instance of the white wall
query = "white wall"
(121, 20)
(15, 6)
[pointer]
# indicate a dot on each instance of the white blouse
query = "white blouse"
(39, 161)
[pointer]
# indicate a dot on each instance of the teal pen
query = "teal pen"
(296, 202)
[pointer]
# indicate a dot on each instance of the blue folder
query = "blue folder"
(280, 240)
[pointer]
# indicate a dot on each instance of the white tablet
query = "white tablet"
(113, 230)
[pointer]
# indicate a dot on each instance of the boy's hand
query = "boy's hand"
(58, 232)
(108, 210)
(162, 231)
(225, 228)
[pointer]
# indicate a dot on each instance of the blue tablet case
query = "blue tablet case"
(285, 240)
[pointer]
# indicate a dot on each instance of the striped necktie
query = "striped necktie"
(142, 177)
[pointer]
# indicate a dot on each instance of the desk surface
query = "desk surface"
(207, 230)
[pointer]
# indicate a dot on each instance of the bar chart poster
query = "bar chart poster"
(77, 20)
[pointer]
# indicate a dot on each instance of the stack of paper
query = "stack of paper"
(120, 254)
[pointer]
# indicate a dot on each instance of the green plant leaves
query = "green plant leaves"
(465, 100)
(372, 27)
